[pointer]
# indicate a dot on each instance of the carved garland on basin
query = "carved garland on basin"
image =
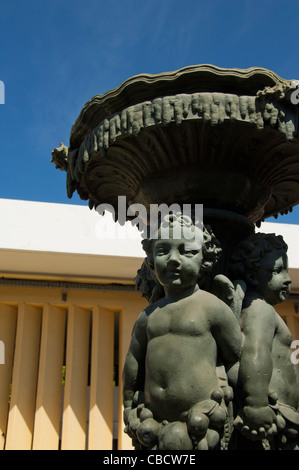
(213, 108)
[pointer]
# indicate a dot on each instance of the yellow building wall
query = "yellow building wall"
(57, 382)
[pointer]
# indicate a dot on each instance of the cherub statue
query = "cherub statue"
(268, 378)
(176, 395)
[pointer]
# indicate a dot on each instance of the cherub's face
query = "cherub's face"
(177, 262)
(272, 279)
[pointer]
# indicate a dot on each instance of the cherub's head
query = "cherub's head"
(182, 254)
(261, 261)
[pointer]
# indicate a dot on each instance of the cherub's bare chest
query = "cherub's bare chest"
(180, 319)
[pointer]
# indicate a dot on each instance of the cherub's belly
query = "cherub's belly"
(180, 372)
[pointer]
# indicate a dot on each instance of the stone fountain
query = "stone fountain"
(226, 139)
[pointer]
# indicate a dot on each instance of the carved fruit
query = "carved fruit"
(217, 419)
(145, 414)
(133, 420)
(139, 409)
(174, 436)
(197, 424)
(228, 394)
(212, 438)
(217, 395)
(292, 433)
(148, 432)
(203, 444)
(281, 424)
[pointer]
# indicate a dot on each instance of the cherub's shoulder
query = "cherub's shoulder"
(140, 325)
(257, 306)
(258, 312)
(212, 300)
(143, 317)
(214, 306)
(147, 312)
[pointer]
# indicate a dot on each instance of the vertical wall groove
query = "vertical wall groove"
(75, 393)
(8, 321)
(101, 384)
(47, 414)
(24, 381)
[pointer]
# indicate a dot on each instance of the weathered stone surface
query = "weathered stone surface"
(209, 363)
(231, 135)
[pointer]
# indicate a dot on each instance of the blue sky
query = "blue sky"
(57, 54)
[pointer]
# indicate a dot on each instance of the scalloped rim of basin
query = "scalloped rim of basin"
(191, 79)
(102, 120)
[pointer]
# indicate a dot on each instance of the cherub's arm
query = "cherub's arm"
(227, 333)
(258, 327)
(134, 368)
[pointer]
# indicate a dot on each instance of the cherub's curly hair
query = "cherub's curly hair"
(248, 254)
(211, 248)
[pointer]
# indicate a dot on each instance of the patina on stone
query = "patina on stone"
(268, 381)
(184, 351)
(226, 139)
(218, 128)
